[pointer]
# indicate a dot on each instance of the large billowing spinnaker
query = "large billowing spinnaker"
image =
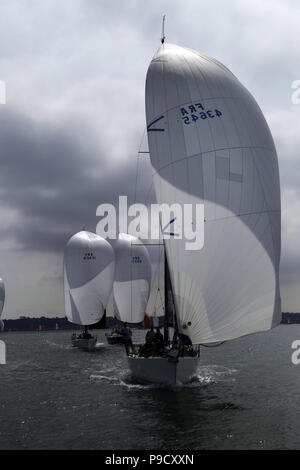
(132, 279)
(210, 144)
(88, 277)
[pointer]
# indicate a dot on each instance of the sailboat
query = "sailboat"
(88, 279)
(2, 300)
(209, 144)
(132, 282)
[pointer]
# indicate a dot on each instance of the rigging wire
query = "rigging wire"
(137, 165)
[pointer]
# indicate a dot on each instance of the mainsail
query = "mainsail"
(210, 144)
(132, 279)
(88, 277)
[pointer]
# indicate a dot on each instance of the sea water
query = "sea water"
(53, 396)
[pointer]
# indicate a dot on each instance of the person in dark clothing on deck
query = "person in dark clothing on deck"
(127, 334)
(150, 334)
(158, 336)
(158, 341)
(147, 349)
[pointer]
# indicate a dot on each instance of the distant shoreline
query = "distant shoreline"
(45, 324)
(61, 323)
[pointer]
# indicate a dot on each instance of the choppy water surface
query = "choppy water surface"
(53, 396)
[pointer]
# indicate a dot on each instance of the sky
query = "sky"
(75, 115)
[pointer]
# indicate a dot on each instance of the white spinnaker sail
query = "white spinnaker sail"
(2, 295)
(88, 277)
(132, 279)
(210, 144)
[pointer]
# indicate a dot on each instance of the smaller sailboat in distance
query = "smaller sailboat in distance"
(88, 278)
(132, 282)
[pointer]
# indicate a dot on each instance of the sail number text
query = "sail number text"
(196, 111)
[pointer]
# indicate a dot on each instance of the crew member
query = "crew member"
(127, 334)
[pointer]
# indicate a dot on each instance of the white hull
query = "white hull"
(163, 370)
(82, 343)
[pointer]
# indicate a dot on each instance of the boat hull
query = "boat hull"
(163, 370)
(85, 343)
(115, 339)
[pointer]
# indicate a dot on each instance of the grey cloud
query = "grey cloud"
(54, 182)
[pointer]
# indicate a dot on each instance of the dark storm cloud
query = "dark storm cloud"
(55, 180)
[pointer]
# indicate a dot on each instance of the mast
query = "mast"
(163, 37)
(166, 278)
(170, 316)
